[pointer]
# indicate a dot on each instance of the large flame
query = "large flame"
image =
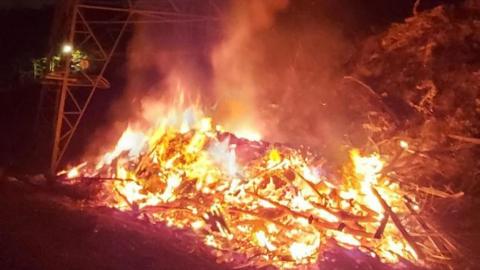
(269, 204)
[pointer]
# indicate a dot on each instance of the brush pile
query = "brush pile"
(422, 80)
(258, 204)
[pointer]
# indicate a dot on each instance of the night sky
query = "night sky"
(6, 4)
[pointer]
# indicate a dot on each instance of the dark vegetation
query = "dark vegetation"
(422, 79)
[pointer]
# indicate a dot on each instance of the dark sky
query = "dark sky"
(6, 4)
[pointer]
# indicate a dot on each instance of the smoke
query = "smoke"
(162, 66)
(236, 61)
(301, 71)
(273, 70)
(277, 71)
(162, 62)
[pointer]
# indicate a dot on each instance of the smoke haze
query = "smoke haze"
(273, 68)
(277, 71)
(237, 60)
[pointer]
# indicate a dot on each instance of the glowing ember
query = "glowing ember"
(403, 144)
(73, 173)
(274, 207)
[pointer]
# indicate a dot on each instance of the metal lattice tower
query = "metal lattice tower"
(97, 28)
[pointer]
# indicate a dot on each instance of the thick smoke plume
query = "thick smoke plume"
(277, 71)
(236, 62)
(271, 70)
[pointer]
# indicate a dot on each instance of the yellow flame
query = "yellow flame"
(173, 182)
(264, 241)
(300, 251)
(368, 169)
(73, 173)
(403, 144)
(269, 203)
(251, 135)
(346, 239)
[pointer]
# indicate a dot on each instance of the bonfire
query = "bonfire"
(256, 203)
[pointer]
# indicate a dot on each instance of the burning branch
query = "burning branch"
(274, 208)
(465, 139)
(398, 224)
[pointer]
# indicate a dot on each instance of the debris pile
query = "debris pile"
(259, 204)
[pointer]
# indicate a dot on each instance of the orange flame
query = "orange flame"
(276, 204)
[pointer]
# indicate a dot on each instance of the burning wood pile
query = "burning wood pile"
(254, 203)
(258, 204)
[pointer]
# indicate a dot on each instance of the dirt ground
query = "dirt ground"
(37, 232)
(41, 228)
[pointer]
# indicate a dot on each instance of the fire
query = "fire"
(73, 173)
(187, 172)
(368, 168)
(300, 251)
(264, 241)
(346, 239)
(251, 135)
(403, 144)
